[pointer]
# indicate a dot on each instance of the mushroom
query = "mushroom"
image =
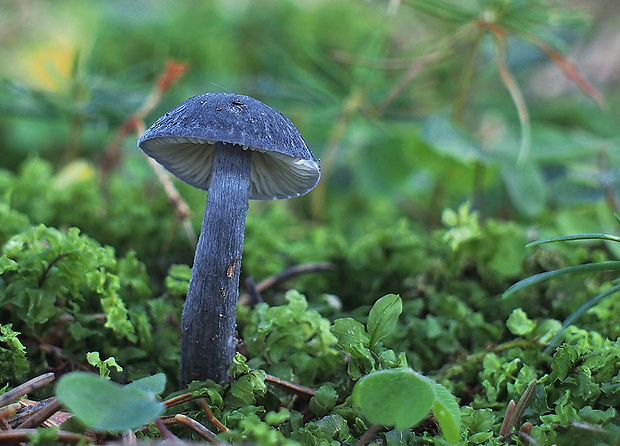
(238, 149)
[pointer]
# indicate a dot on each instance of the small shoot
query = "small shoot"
(104, 367)
(514, 414)
(383, 317)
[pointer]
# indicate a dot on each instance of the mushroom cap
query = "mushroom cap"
(183, 141)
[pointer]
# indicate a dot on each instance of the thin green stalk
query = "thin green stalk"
(573, 317)
(516, 95)
(577, 269)
(585, 236)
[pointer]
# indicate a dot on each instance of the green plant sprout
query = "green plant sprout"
(514, 414)
(104, 366)
(577, 269)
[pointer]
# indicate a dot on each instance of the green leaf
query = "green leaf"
(447, 412)
(464, 225)
(151, 385)
(7, 264)
(13, 361)
(117, 316)
(246, 388)
(277, 418)
(394, 397)
(383, 317)
(94, 359)
(519, 324)
(323, 400)
(104, 405)
(177, 280)
(239, 366)
(350, 333)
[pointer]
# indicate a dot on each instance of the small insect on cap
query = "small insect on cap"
(183, 141)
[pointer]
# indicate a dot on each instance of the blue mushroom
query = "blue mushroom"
(238, 149)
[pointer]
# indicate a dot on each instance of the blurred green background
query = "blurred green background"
(510, 104)
(450, 134)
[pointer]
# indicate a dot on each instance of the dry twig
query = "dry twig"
(15, 436)
(27, 387)
(287, 274)
(196, 427)
(207, 410)
(287, 385)
(41, 412)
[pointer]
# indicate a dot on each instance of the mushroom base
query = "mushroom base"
(208, 341)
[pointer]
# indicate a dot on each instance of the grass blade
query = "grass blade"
(577, 269)
(578, 312)
(586, 236)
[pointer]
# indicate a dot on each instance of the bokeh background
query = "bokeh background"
(420, 105)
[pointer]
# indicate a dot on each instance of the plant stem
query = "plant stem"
(209, 316)
(27, 387)
(515, 93)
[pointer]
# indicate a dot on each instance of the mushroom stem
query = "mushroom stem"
(209, 315)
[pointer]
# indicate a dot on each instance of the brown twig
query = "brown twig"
(570, 70)
(186, 397)
(207, 410)
(287, 385)
(180, 399)
(58, 353)
(9, 411)
(196, 427)
(42, 411)
(369, 434)
(173, 71)
(294, 271)
(26, 387)
(112, 155)
(253, 296)
(589, 427)
(181, 209)
(24, 436)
